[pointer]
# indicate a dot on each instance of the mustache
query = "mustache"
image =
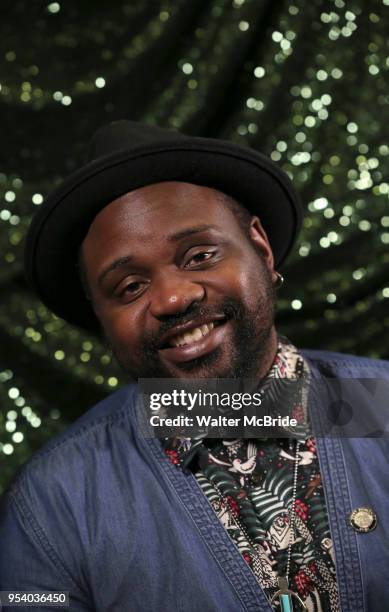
(230, 309)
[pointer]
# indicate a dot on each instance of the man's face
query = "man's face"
(178, 287)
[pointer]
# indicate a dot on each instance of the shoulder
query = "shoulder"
(66, 488)
(346, 365)
(76, 448)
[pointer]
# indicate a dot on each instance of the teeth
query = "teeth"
(193, 335)
(197, 333)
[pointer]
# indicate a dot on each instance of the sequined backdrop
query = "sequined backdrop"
(306, 82)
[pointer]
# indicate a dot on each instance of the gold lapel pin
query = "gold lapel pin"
(363, 520)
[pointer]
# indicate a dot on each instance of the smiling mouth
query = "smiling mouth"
(193, 335)
(191, 331)
(195, 341)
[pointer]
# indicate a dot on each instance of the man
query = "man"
(171, 246)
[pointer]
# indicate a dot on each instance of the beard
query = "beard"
(240, 357)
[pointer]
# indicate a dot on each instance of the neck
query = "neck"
(268, 354)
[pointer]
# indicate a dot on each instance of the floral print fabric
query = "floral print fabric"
(249, 483)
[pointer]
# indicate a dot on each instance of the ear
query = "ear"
(259, 237)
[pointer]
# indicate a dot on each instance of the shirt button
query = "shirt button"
(363, 520)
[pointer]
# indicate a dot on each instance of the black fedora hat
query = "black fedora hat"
(126, 155)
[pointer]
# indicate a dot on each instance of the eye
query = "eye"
(131, 290)
(132, 287)
(199, 258)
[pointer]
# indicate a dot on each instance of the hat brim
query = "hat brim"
(59, 227)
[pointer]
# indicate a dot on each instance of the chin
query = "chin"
(215, 365)
(208, 366)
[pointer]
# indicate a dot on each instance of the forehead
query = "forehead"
(156, 210)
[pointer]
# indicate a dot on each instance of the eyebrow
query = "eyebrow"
(189, 231)
(121, 262)
(118, 263)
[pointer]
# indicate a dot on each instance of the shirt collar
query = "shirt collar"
(289, 364)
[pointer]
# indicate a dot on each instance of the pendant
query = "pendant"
(284, 596)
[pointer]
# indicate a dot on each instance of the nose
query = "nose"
(173, 294)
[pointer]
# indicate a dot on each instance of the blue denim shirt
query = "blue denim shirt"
(100, 512)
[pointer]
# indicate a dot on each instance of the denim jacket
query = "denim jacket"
(101, 513)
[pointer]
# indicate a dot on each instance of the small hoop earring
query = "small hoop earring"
(279, 281)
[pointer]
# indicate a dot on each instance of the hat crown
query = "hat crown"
(126, 135)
